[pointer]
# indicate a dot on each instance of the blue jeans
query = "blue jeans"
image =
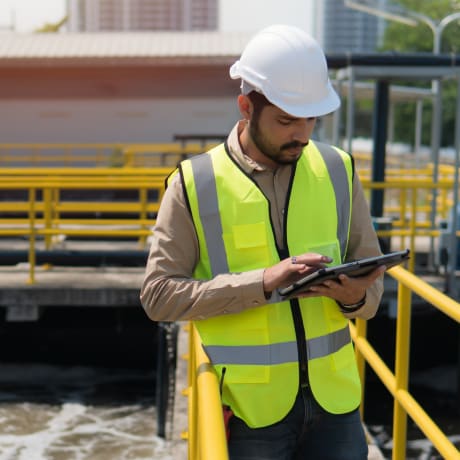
(306, 433)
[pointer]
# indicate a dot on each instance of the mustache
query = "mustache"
(293, 145)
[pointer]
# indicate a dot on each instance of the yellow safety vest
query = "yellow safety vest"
(258, 347)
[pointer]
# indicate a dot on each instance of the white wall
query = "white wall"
(107, 121)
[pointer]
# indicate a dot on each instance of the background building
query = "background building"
(138, 15)
(340, 29)
(114, 87)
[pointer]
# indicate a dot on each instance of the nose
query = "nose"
(303, 129)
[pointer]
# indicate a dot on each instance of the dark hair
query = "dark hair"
(259, 101)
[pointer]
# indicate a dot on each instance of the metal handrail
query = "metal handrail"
(397, 383)
(206, 432)
(47, 217)
(99, 154)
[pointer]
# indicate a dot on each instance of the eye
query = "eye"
(284, 122)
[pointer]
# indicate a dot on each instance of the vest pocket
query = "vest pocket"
(247, 374)
(248, 242)
(330, 249)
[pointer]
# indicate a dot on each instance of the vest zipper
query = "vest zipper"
(301, 343)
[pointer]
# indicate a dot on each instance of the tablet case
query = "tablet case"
(356, 268)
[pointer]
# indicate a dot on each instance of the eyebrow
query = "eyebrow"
(288, 117)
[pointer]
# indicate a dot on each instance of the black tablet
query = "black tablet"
(356, 268)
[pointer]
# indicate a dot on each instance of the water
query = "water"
(50, 412)
(95, 397)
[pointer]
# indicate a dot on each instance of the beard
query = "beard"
(270, 150)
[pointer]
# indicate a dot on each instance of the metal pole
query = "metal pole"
(418, 131)
(391, 123)
(337, 118)
(351, 110)
(453, 241)
(380, 121)
(436, 129)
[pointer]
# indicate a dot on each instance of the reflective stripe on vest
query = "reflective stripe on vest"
(209, 212)
(206, 190)
(338, 175)
(277, 353)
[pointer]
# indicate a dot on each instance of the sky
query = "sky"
(28, 15)
(238, 15)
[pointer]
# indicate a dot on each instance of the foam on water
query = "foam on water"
(58, 413)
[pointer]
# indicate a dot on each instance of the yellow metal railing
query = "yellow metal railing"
(148, 155)
(99, 154)
(61, 154)
(44, 212)
(407, 201)
(206, 434)
(397, 382)
(409, 211)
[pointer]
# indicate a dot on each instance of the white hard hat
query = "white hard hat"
(289, 68)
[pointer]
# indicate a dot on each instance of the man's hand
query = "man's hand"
(290, 270)
(346, 290)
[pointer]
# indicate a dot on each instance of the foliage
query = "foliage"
(406, 39)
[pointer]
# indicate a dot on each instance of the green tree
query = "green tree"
(402, 38)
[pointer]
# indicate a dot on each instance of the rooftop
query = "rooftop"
(121, 47)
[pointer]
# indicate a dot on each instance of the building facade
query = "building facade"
(341, 29)
(141, 15)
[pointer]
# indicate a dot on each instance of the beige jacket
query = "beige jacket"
(169, 293)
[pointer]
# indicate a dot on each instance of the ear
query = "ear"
(245, 106)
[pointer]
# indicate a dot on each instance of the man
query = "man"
(252, 216)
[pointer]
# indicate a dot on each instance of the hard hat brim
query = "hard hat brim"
(297, 107)
(326, 105)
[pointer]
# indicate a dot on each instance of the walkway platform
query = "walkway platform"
(67, 287)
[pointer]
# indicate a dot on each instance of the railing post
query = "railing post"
(31, 279)
(361, 331)
(192, 395)
(403, 328)
(413, 231)
(143, 214)
(47, 215)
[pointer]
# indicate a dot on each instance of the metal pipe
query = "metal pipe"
(351, 110)
(418, 131)
(77, 258)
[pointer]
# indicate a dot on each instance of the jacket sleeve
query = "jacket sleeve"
(168, 291)
(363, 242)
